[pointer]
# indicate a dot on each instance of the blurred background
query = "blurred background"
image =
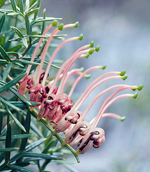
(122, 29)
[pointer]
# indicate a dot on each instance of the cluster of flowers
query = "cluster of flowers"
(57, 107)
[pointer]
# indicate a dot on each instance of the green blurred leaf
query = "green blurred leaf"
(25, 43)
(11, 83)
(17, 31)
(13, 137)
(2, 2)
(32, 11)
(15, 120)
(27, 62)
(2, 20)
(39, 19)
(15, 167)
(27, 127)
(4, 130)
(19, 64)
(32, 4)
(27, 23)
(41, 155)
(12, 14)
(36, 130)
(13, 5)
(5, 11)
(8, 142)
(13, 53)
(4, 54)
(1, 118)
(27, 5)
(2, 40)
(8, 149)
(22, 98)
(7, 70)
(21, 6)
(15, 48)
(37, 6)
(3, 61)
(43, 24)
(9, 104)
(23, 105)
(34, 145)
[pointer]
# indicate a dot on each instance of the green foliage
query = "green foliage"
(20, 29)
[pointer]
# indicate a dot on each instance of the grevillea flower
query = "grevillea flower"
(57, 107)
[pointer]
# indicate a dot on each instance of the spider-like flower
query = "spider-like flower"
(57, 107)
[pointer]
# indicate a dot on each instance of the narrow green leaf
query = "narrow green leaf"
(7, 70)
(3, 61)
(32, 3)
(2, 2)
(8, 142)
(70, 168)
(49, 145)
(17, 31)
(14, 137)
(27, 127)
(12, 14)
(5, 11)
(38, 6)
(4, 130)
(15, 120)
(27, 5)
(25, 43)
(34, 145)
(15, 48)
(11, 83)
(36, 130)
(18, 64)
(8, 149)
(23, 105)
(43, 24)
(22, 98)
(13, 5)
(2, 40)
(27, 23)
(13, 54)
(1, 118)
(41, 155)
(15, 167)
(32, 11)
(31, 159)
(39, 19)
(21, 6)
(27, 62)
(9, 104)
(4, 54)
(2, 20)
(8, 43)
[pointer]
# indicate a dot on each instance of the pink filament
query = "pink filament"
(105, 91)
(37, 47)
(91, 87)
(54, 54)
(105, 106)
(63, 67)
(80, 77)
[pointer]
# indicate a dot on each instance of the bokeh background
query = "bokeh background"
(122, 29)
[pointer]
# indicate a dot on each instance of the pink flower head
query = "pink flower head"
(95, 136)
(58, 107)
